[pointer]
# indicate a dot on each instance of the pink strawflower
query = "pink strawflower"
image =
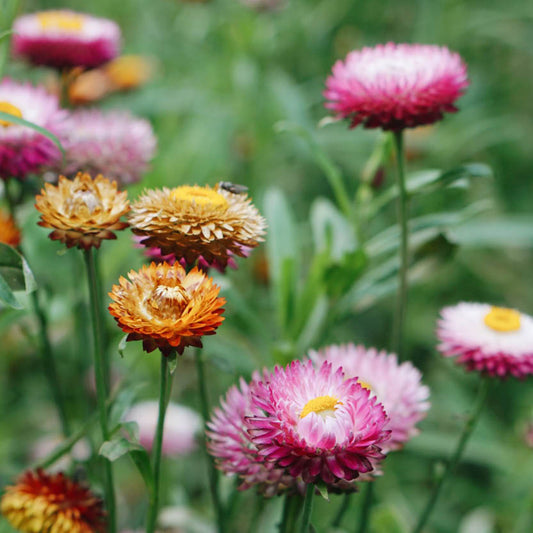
(317, 424)
(494, 340)
(23, 150)
(232, 447)
(396, 86)
(115, 144)
(396, 386)
(181, 426)
(64, 38)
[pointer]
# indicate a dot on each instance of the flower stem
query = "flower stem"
(367, 508)
(100, 380)
(288, 515)
(164, 395)
(308, 507)
(337, 521)
(450, 467)
(401, 298)
(213, 474)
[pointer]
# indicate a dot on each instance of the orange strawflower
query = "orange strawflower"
(82, 211)
(88, 87)
(52, 503)
(129, 72)
(9, 233)
(166, 307)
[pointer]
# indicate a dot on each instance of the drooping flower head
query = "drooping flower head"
(9, 233)
(316, 424)
(115, 144)
(83, 211)
(182, 424)
(64, 38)
(52, 503)
(190, 222)
(232, 447)
(396, 386)
(396, 86)
(23, 150)
(166, 307)
(494, 340)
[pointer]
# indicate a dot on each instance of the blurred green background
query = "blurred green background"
(228, 79)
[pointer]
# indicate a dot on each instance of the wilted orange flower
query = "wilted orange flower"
(82, 211)
(52, 503)
(166, 307)
(9, 233)
(193, 221)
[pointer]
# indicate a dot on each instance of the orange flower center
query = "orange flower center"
(200, 196)
(61, 20)
(502, 319)
(321, 405)
(10, 109)
(168, 301)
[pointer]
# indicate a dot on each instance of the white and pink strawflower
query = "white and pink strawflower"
(495, 340)
(396, 86)
(182, 425)
(64, 39)
(231, 445)
(115, 144)
(317, 424)
(396, 386)
(24, 150)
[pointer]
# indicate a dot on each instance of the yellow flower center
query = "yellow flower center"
(61, 20)
(365, 385)
(10, 109)
(321, 405)
(83, 199)
(200, 196)
(168, 301)
(502, 319)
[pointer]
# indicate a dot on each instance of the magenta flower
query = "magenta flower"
(23, 150)
(396, 386)
(396, 86)
(316, 424)
(115, 144)
(494, 340)
(64, 38)
(232, 447)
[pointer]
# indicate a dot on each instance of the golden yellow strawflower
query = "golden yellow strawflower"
(9, 233)
(83, 211)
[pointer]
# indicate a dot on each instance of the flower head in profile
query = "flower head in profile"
(396, 386)
(24, 150)
(316, 424)
(129, 72)
(9, 233)
(52, 503)
(166, 307)
(83, 211)
(115, 144)
(193, 221)
(182, 424)
(494, 340)
(64, 38)
(396, 86)
(232, 447)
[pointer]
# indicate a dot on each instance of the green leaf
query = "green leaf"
(122, 345)
(172, 362)
(323, 490)
(6, 295)
(15, 275)
(342, 275)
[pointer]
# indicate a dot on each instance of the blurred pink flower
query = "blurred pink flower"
(44, 446)
(64, 38)
(396, 86)
(181, 426)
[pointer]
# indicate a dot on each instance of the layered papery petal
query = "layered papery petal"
(319, 425)
(496, 341)
(396, 86)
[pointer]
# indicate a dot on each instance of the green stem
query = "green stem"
(450, 467)
(337, 521)
(164, 395)
(213, 474)
(100, 380)
(7, 17)
(401, 298)
(288, 515)
(367, 507)
(308, 507)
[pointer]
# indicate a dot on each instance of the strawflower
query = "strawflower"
(396, 86)
(316, 424)
(193, 221)
(83, 211)
(166, 307)
(64, 38)
(494, 340)
(52, 503)
(9, 233)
